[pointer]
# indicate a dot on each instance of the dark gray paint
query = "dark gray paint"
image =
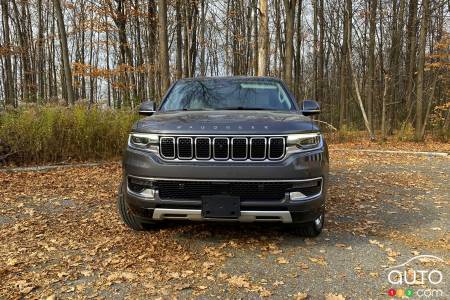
(297, 166)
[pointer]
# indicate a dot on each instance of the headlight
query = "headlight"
(143, 141)
(304, 141)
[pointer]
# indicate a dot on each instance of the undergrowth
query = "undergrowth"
(58, 134)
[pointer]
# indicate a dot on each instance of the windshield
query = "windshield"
(225, 94)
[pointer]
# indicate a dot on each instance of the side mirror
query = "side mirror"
(147, 108)
(310, 107)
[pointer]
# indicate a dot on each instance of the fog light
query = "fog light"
(148, 193)
(296, 196)
(141, 187)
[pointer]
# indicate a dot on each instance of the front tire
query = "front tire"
(125, 212)
(310, 229)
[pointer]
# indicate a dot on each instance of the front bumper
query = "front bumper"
(246, 215)
(297, 168)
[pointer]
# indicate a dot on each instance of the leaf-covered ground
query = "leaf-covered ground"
(393, 144)
(61, 237)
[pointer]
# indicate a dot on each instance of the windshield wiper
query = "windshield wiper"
(243, 108)
(201, 109)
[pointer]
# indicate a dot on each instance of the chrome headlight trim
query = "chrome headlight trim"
(304, 142)
(143, 141)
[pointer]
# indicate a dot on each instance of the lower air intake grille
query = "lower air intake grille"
(247, 191)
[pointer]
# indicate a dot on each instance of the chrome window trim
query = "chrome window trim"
(209, 148)
(174, 148)
(284, 149)
(246, 148)
(192, 148)
(214, 148)
(265, 148)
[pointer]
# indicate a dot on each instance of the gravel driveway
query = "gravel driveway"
(61, 237)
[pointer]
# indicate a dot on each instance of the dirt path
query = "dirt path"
(60, 236)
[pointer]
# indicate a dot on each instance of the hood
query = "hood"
(225, 122)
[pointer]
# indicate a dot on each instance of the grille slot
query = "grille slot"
(258, 148)
(276, 148)
(220, 148)
(239, 148)
(185, 148)
(247, 191)
(203, 148)
(167, 147)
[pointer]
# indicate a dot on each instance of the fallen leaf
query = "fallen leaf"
(278, 283)
(319, 260)
(300, 296)
(303, 265)
(330, 296)
(238, 281)
(282, 260)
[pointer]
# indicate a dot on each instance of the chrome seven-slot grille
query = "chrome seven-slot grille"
(222, 148)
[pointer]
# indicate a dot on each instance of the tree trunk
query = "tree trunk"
(108, 78)
(255, 37)
(289, 6)
(179, 50)
(40, 53)
(315, 42)
(355, 83)
(65, 52)
(8, 80)
(430, 103)
(186, 42)
(371, 71)
(263, 38)
(383, 108)
(420, 69)
(297, 60)
(202, 38)
(394, 61)
(277, 51)
(164, 51)
(344, 79)
(140, 80)
(411, 53)
(27, 78)
(152, 45)
(193, 39)
(321, 64)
